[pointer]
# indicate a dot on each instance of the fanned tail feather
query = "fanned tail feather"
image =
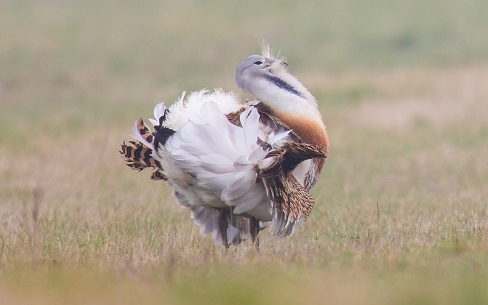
(138, 154)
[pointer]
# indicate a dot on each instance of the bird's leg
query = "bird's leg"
(223, 225)
(254, 230)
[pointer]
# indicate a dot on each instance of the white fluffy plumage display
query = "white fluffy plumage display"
(238, 167)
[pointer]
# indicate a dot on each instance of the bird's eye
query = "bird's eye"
(258, 62)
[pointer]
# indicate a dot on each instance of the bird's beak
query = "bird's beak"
(268, 62)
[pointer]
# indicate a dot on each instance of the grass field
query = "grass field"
(402, 210)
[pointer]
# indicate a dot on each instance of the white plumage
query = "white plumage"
(237, 167)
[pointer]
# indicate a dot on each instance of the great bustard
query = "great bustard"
(239, 168)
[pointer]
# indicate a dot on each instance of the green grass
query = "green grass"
(401, 214)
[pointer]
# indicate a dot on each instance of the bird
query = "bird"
(239, 167)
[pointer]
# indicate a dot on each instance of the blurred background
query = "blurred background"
(95, 60)
(402, 86)
(79, 71)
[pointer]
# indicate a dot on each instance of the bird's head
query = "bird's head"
(255, 68)
(268, 80)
